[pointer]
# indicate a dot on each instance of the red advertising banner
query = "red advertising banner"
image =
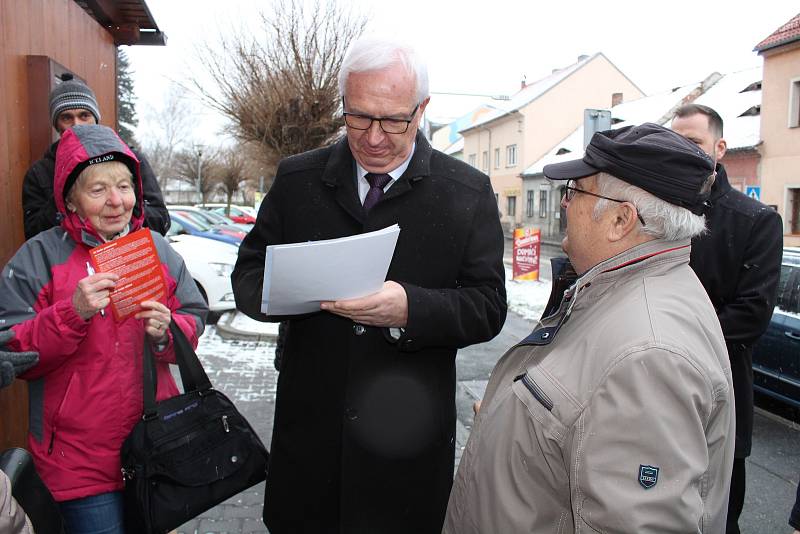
(135, 260)
(525, 262)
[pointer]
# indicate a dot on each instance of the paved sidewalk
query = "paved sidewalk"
(243, 370)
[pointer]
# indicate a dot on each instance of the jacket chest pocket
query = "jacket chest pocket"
(545, 402)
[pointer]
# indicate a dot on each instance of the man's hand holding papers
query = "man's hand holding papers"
(387, 307)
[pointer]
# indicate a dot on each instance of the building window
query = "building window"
(511, 155)
(794, 104)
(471, 160)
(485, 161)
(512, 206)
(496, 158)
(542, 203)
(793, 210)
(529, 204)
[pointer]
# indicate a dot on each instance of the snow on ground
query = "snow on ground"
(527, 297)
(242, 322)
(243, 369)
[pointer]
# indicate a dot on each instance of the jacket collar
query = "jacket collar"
(721, 184)
(635, 259)
(340, 171)
(50, 153)
(599, 279)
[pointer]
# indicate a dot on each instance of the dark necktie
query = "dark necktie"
(376, 184)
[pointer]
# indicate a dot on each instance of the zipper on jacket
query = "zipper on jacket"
(536, 391)
(225, 423)
(57, 416)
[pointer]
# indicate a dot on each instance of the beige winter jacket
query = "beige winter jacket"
(614, 415)
(12, 518)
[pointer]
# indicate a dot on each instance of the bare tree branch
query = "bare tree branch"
(280, 92)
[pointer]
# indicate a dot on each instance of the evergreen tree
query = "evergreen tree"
(126, 100)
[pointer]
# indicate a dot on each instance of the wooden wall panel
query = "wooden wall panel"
(62, 31)
(6, 241)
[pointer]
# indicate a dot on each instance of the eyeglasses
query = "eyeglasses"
(571, 191)
(388, 125)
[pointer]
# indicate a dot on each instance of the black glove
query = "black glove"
(13, 363)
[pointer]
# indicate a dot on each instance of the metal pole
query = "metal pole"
(200, 176)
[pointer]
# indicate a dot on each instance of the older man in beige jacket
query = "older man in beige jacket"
(616, 413)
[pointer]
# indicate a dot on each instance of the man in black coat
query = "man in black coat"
(364, 431)
(73, 102)
(738, 261)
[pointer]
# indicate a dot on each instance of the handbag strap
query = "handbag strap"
(193, 376)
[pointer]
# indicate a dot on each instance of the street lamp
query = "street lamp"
(199, 151)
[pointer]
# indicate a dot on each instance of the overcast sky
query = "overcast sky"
(486, 47)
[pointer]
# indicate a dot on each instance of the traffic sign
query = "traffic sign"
(753, 191)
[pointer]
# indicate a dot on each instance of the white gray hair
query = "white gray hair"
(374, 53)
(662, 219)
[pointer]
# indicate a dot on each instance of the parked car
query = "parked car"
(239, 214)
(776, 356)
(181, 224)
(213, 217)
(210, 263)
(209, 218)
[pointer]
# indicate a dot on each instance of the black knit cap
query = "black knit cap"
(648, 156)
(72, 94)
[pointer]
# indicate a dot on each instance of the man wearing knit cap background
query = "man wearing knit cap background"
(73, 102)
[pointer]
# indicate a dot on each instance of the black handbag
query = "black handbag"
(188, 453)
(30, 492)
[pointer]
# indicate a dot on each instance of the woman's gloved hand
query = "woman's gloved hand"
(13, 363)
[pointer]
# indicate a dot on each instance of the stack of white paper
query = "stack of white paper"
(298, 276)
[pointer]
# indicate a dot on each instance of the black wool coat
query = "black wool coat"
(738, 261)
(39, 206)
(364, 430)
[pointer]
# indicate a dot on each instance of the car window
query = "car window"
(175, 228)
(196, 215)
(202, 226)
(216, 217)
(789, 289)
(193, 217)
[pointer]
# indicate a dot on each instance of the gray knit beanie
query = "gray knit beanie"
(72, 94)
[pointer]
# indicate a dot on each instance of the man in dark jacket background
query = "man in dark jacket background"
(73, 102)
(364, 431)
(738, 261)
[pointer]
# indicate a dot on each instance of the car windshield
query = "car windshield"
(216, 218)
(195, 220)
(205, 216)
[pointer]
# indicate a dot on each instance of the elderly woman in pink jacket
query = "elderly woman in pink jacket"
(86, 390)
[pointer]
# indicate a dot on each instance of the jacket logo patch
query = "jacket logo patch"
(101, 159)
(648, 476)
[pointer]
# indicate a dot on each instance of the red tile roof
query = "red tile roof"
(786, 34)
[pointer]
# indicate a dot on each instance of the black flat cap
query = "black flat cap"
(648, 156)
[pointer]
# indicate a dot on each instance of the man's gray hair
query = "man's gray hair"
(662, 219)
(374, 53)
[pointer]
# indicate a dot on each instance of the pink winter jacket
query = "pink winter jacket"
(85, 394)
